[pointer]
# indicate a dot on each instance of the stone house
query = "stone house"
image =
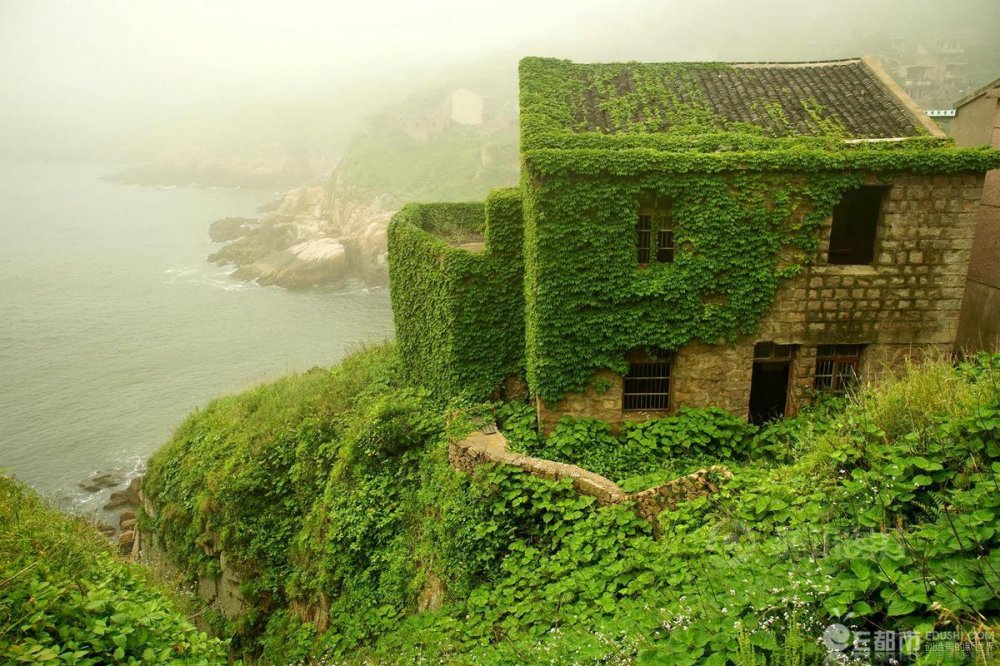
(977, 122)
(691, 235)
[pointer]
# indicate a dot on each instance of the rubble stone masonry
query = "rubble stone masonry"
(905, 304)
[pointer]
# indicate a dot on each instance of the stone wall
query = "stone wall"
(906, 303)
(480, 448)
(221, 590)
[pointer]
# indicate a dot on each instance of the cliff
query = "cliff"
(346, 515)
(449, 143)
(66, 598)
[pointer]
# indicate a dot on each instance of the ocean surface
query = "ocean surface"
(114, 327)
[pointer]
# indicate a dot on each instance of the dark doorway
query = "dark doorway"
(769, 382)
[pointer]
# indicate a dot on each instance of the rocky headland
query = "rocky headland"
(451, 144)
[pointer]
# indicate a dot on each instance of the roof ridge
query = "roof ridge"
(795, 63)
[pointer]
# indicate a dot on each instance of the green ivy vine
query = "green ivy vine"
(459, 314)
(559, 294)
(747, 205)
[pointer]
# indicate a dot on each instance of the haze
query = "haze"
(124, 80)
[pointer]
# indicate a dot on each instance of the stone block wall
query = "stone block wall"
(480, 448)
(906, 303)
(220, 590)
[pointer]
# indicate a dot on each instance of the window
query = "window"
(654, 225)
(644, 234)
(855, 218)
(837, 367)
(665, 246)
(647, 385)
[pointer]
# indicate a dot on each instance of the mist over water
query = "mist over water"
(114, 326)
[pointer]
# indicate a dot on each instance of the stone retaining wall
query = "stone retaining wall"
(479, 447)
(221, 590)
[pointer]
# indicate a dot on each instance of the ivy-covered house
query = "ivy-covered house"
(693, 234)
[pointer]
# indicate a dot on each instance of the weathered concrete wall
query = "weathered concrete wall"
(980, 324)
(907, 302)
(973, 122)
(979, 328)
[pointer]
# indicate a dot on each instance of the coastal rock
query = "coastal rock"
(117, 500)
(124, 516)
(132, 497)
(125, 542)
(108, 478)
(306, 264)
(231, 228)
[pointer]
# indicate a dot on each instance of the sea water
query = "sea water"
(114, 326)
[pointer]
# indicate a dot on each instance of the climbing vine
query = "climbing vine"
(747, 203)
(458, 313)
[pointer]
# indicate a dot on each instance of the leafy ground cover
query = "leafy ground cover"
(65, 598)
(333, 490)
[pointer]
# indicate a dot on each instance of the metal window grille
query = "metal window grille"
(647, 386)
(837, 367)
(665, 245)
(644, 237)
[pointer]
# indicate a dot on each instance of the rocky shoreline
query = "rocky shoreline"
(307, 239)
(122, 507)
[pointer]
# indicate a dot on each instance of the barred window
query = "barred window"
(647, 386)
(665, 246)
(644, 237)
(837, 367)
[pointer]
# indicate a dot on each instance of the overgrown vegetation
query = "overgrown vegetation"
(333, 492)
(639, 454)
(746, 201)
(459, 314)
(65, 598)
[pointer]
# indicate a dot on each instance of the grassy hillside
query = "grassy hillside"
(65, 598)
(333, 488)
(413, 151)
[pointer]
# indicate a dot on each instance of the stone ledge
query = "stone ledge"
(479, 447)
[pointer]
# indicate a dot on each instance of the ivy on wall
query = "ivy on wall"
(736, 236)
(459, 314)
(747, 202)
(747, 208)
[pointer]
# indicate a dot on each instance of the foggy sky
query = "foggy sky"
(100, 77)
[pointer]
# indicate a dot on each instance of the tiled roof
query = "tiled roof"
(785, 99)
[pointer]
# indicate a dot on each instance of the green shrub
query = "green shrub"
(66, 599)
(654, 450)
(881, 513)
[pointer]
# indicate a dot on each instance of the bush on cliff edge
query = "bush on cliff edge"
(65, 598)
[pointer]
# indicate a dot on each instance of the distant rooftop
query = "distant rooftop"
(853, 98)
